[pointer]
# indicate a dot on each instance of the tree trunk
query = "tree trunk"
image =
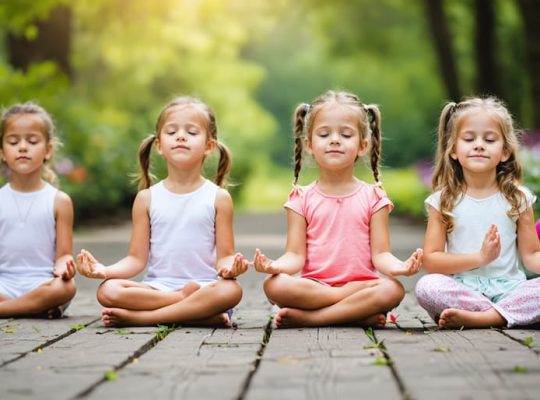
(487, 79)
(53, 42)
(443, 47)
(530, 11)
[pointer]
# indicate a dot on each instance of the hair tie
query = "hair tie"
(307, 108)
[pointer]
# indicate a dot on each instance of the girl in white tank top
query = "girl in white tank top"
(182, 232)
(36, 265)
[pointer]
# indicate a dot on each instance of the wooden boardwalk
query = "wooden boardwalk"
(78, 358)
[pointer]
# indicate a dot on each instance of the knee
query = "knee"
(392, 294)
(274, 285)
(426, 286)
(230, 292)
(108, 293)
(63, 290)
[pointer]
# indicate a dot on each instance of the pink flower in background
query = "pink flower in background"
(64, 166)
(425, 169)
(538, 228)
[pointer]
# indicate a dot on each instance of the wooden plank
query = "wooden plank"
(67, 367)
(196, 362)
(21, 336)
(462, 364)
(321, 363)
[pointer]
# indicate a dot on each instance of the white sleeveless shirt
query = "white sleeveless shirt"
(182, 237)
(27, 232)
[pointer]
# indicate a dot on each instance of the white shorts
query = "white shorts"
(15, 285)
(174, 284)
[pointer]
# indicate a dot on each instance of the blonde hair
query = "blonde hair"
(49, 131)
(225, 159)
(369, 126)
(448, 174)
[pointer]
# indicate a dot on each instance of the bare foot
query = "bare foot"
(113, 317)
(189, 289)
(222, 319)
(456, 318)
(294, 318)
(374, 321)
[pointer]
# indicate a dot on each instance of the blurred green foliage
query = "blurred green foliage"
(252, 62)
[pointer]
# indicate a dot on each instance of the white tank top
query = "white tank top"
(182, 235)
(27, 231)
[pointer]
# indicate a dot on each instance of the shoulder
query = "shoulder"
(143, 198)
(433, 200)
(223, 199)
(62, 199)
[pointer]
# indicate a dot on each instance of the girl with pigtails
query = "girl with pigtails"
(182, 231)
(480, 224)
(337, 234)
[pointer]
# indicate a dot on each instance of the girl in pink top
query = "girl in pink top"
(337, 226)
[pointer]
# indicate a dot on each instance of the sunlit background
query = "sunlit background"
(104, 68)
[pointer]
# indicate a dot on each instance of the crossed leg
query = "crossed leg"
(206, 306)
(46, 300)
(306, 302)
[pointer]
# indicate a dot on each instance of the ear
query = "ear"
(157, 143)
(210, 146)
(362, 148)
(505, 155)
(307, 146)
(49, 152)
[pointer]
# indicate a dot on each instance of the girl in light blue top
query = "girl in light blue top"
(480, 224)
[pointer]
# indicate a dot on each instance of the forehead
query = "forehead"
(186, 114)
(24, 123)
(479, 119)
(336, 114)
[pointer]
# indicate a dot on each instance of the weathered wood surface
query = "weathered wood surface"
(78, 358)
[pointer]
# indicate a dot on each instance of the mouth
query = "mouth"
(334, 152)
(24, 158)
(181, 146)
(478, 156)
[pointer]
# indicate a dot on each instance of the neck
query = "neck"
(183, 181)
(26, 183)
(480, 184)
(337, 182)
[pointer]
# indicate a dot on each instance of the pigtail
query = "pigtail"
(299, 122)
(145, 177)
(224, 164)
(374, 120)
(49, 175)
(443, 137)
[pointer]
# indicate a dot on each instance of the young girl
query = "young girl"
(337, 226)
(36, 219)
(182, 228)
(480, 221)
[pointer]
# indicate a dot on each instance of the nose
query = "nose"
(334, 138)
(478, 144)
(180, 135)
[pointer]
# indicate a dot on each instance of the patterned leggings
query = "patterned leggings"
(437, 292)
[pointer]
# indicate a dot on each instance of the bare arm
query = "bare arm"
(229, 264)
(436, 259)
(381, 255)
(63, 214)
(294, 257)
(138, 251)
(528, 243)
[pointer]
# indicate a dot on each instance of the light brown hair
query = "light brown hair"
(49, 131)
(448, 174)
(224, 162)
(369, 126)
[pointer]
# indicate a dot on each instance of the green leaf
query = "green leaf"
(528, 341)
(111, 375)
(520, 369)
(382, 361)
(123, 332)
(442, 349)
(78, 327)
